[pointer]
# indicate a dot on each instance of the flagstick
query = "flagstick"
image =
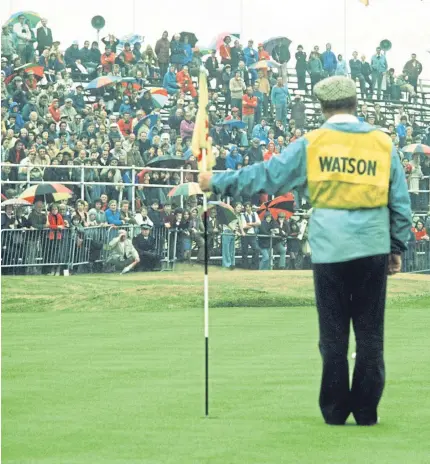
(206, 291)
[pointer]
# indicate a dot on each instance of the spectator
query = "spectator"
(177, 52)
(298, 109)
(225, 51)
(301, 68)
(23, 38)
(107, 60)
(7, 49)
(212, 66)
(412, 70)
(123, 255)
(113, 216)
(185, 82)
(230, 233)
(196, 233)
(237, 87)
(233, 159)
(249, 104)
(328, 59)
(250, 221)
(262, 54)
(420, 231)
(379, 67)
(315, 69)
(111, 42)
(266, 234)
(145, 245)
(280, 98)
(187, 126)
(342, 67)
(54, 249)
(162, 50)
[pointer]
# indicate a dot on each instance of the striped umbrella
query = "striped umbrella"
(102, 81)
(15, 202)
(160, 97)
(417, 148)
(283, 203)
(264, 64)
(219, 40)
(46, 192)
(31, 18)
(186, 190)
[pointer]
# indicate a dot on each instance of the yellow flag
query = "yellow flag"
(202, 143)
(365, 2)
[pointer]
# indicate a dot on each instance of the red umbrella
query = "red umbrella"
(37, 70)
(284, 203)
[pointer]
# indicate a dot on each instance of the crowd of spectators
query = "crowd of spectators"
(55, 130)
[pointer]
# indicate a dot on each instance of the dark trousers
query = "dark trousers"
(251, 242)
(351, 291)
(301, 80)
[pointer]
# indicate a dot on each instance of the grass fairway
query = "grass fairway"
(109, 369)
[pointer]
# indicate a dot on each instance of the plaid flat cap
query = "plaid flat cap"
(335, 88)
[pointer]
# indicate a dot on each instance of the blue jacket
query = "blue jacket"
(188, 57)
(329, 61)
(401, 130)
(232, 161)
(260, 132)
(249, 59)
(280, 96)
(113, 218)
(379, 64)
(335, 235)
(19, 122)
(169, 82)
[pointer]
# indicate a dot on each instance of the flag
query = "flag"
(365, 2)
(201, 140)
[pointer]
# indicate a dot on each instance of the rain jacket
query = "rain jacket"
(162, 50)
(329, 61)
(335, 235)
(233, 159)
(169, 82)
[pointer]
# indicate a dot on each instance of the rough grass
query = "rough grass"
(108, 369)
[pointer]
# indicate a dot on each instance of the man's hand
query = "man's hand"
(205, 181)
(394, 264)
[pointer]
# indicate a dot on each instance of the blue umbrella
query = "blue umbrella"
(152, 117)
(234, 123)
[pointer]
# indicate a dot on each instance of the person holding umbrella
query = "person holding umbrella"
(371, 209)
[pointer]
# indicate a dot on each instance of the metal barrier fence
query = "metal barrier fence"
(76, 249)
(87, 250)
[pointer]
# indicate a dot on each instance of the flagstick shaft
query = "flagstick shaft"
(206, 292)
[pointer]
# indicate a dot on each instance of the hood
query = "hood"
(12, 106)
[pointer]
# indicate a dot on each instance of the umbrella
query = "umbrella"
(192, 39)
(131, 39)
(160, 97)
(37, 70)
(219, 40)
(264, 64)
(46, 192)
(186, 190)
(16, 202)
(31, 18)
(283, 55)
(417, 148)
(284, 203)
(168, 162)
(138, 127)
(234, 123)
(102, 81)
(224, 212)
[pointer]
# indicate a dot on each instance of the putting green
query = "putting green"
(110, 369)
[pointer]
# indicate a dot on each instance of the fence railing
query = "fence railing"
(90, 190)
(75, 249)
(87, 250)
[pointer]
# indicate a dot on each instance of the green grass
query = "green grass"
(101, 369)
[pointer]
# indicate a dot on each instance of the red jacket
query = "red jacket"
(107, 61)
(55, 113)
(249, 104)
(54, 222)
(225, 52)
(263, 55)
(125, 127)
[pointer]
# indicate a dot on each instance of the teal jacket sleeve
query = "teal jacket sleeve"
(399, 205)
(277, 176)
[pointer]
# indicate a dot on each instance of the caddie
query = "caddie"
(360, 224)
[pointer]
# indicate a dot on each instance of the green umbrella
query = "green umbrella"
(31, 18)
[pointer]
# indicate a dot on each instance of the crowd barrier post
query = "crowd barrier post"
(82, 183)
(133, 189)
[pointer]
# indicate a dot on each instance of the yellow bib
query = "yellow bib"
(348, 170)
